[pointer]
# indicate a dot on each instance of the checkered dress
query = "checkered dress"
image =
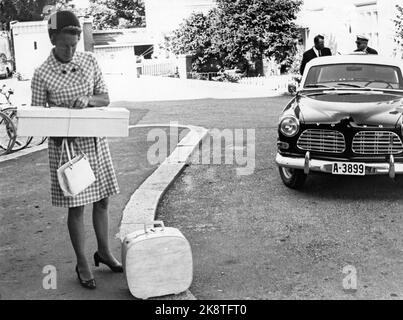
(57, 84)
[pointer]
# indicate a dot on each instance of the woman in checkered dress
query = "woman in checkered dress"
(73, 79)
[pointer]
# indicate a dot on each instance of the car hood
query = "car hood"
(364, 109)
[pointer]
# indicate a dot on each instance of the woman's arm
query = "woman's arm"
(100, 96)
(99, 100)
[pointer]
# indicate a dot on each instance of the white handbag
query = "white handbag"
(75, 175)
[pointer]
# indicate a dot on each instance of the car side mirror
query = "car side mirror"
(292, 88)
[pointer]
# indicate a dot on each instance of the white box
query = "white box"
(63, 122)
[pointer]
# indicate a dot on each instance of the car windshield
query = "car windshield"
(353, 75)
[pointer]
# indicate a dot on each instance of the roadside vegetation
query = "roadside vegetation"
(239, 35)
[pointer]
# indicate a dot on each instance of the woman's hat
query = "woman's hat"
(61, 19)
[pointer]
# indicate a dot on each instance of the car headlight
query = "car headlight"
(289, 126)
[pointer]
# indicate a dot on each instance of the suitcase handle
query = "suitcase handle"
(161, 223)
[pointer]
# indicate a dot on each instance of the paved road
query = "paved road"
(253, 238)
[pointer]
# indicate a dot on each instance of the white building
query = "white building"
(341, 21)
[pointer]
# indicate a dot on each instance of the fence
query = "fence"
(274, 83)
(277, 83)
(120, 59)
(202, 75)
(158, 67)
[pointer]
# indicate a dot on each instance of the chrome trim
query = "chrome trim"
(390, 168)
(307, 161)
(377, 142)
(326, 141)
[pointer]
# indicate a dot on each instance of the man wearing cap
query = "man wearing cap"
(362, 45)
(318, 50)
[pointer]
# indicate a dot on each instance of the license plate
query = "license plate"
(348, 168)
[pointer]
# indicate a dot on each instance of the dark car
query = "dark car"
(5, 67)
(346, 119)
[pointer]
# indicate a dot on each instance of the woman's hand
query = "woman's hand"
(99, 100)
(81, 102)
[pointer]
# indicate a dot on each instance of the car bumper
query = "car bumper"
(312, 165)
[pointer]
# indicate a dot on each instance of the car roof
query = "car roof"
(355, 58)
(352, 58)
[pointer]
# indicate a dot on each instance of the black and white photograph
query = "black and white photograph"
(201, 154)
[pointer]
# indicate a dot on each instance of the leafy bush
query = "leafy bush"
(112, 14)
(227, 77)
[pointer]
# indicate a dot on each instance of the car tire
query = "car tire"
(9, 73)
(399, 180)
(292, 178)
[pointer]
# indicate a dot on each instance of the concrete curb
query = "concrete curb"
(23, 152)
(143, 204)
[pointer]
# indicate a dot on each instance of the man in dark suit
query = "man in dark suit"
(362, 45)
(318, 50)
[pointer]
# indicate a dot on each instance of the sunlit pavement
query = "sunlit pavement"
(252, 238)
(146, 88)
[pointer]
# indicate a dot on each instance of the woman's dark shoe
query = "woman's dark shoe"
(88, 284)
(98, 260)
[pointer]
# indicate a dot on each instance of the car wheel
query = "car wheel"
(9, 73)
(399, 180)
(293, 178)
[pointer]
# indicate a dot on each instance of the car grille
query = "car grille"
(377, 142)
(322, 141)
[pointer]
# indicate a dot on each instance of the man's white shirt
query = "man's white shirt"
(316, 51)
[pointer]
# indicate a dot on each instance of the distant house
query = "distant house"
(117, 50)
(136, 41)
(340, 21)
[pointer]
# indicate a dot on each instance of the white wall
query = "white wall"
(340, 21)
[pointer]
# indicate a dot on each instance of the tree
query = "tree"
(57, 5)
(25, 10)
(399, 26)
(238, 32)
(112, 14)
(195, 37)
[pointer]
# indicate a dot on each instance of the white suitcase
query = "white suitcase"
(157, 262)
